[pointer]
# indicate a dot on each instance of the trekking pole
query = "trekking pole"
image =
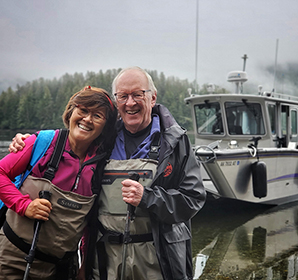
(30, 257)
(129, 217)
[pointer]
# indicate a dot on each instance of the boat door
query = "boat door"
(294, 131)
(288, 126)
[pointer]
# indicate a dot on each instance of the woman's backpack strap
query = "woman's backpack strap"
(56, 156)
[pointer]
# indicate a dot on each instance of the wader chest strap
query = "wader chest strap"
(114, 237)
(25, 247)
(155, 145)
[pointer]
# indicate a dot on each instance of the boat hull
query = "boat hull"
(229, 175)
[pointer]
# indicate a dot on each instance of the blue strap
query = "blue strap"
(41, 144)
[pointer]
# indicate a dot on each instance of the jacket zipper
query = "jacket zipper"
(75, 186)
(77, 180)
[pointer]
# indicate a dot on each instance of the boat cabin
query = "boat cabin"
(272, 117)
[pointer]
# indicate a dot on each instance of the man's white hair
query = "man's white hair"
(149, 78)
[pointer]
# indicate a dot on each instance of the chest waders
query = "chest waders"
(58, 237)
(141, 261)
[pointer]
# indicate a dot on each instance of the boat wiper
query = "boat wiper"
(207, 104)
(256, 140)
(245, 102)
(281, 141)
(250, 108)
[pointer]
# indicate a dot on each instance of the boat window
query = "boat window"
(272, 117)
(284, 119)
(244, 118)
(293, 122)
(208, 118)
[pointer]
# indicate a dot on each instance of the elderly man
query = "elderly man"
(169, 193)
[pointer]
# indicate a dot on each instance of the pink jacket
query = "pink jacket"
(68, 175)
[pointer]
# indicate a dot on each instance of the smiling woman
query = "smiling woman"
(90, 118)
(85, 126)
(86, 115)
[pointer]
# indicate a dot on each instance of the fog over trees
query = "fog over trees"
(39, 104)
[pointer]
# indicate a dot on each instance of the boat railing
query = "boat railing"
(280, 95)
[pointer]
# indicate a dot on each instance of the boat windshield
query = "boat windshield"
(244, 118)
(208, 118)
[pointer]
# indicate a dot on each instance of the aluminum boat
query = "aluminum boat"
(247, 143)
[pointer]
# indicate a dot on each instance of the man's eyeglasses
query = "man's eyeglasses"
(84, 112)
(137, 96)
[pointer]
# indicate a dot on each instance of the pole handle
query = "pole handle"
(130, 208)
(134, 176)
(45, 194)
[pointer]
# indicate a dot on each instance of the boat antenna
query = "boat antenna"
(276, 51)
(197, 42)
(244, 61)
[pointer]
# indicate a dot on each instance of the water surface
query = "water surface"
(246, 242)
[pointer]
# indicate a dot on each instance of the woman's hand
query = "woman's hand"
(39, 209)
(17, 143)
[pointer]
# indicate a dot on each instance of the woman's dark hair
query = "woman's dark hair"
(94, 98)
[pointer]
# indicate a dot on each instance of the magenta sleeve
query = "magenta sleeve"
(11, 166)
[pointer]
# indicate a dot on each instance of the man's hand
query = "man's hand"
(132, 192)
(17, 143)
(39, 209)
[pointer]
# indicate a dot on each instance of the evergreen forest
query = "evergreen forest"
(40, 104)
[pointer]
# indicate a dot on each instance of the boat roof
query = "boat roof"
(267, 96)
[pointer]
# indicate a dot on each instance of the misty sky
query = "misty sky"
(50, 38)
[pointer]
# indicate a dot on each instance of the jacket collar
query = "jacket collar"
(170, 129)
